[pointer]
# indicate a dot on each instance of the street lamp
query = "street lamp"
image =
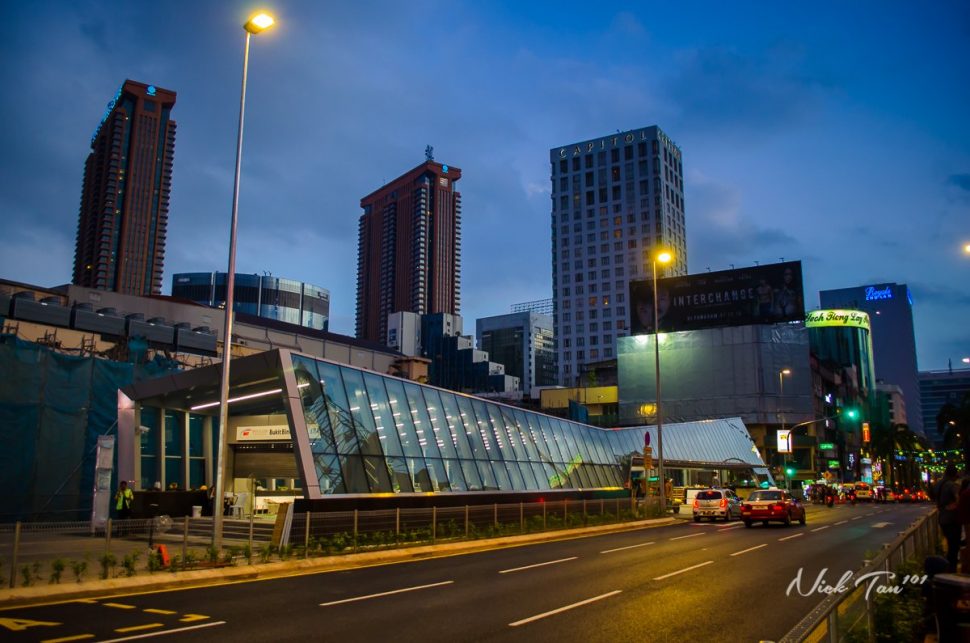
(663, 257)
(256, 24)
(781, 393)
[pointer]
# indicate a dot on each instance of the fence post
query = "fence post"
(565, 512)
(584, 511)
(355, 530)
(521, 518)
(16, 550)
(602, 508)
(543, 516)
(107, 537)
(495, 516)
(397, 524)
(870, 620)
(434, 524)
(834, 626)
(252, 518)
(306, 536)
(466, 522)
(185, 538)
(618, 509)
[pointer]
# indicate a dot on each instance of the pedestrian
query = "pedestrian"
(123, 500)
(947, 501)
(963, 513)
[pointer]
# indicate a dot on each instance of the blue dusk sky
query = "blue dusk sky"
(836, 133)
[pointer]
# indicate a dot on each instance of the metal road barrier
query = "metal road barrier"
(851, 611)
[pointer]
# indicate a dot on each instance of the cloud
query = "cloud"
(961, 181)
(938, 295)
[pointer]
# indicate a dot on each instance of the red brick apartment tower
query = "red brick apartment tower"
(124, 200)
(409, 248)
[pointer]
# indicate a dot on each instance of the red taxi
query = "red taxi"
(772, 505)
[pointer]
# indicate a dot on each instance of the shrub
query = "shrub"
(212, 554)
(155, 562)
(266, 552)
(108, 563)
(78, 567)
(57, 568)
(27, 574)
(128, 563)
(247, 553)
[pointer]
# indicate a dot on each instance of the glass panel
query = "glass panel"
(515, 476)
(402, 418)
(583, 477)
(315, 406)
(149, 439)
(354, 476)
(524, 433)
(502, 476)
(567, 443)
(551, 476)
(600, 445)
(173, 473)
(472, 432)
(613, 472)
(420, 474)
(581, 447)
(488, 476)
(400, 476)
(360, 411)
(442, 436)
(558, 439)
(545, 431)
(196, 439)
(616, 447)
(527, 475)
(456, 479)
(337, 410)
(541, 474)
(439, 478)
(328, 473)
(593, 472)
(377, 476)
(509, 452)
(503, 419)
(173, 437)
(196, 473)
(422, 423)
(487, 432)
(149, 471)
(386, 430)
(455, 425)
(472, 478)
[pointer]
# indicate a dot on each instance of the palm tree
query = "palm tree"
(953, 423)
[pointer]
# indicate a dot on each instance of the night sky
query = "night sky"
(834, 133)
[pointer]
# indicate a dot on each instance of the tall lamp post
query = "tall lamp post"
(663, 257)
(781, 393)
(258, 23)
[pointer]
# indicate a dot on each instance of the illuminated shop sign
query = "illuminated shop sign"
(784, 441)
(837, 318)
(874, 293)
(826, 446)
(280, 432)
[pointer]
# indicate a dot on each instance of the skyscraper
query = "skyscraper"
(124, 199)
(614, 199)
(409, 248)
(523, 343)
(890, 308)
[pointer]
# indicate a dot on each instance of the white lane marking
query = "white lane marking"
(563, 609)
(164, 632)
(686, 569)
(394, 591)
(551, 562)
(857, 517)
(821, 528)
(870, 513)
(880, 525)
(841, 522)
(790, 537)
(610, 551)
(690, 536)
(740, 524)
(745, 551)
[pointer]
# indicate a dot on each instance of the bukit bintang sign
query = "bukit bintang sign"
(837, 318)
(757, 295)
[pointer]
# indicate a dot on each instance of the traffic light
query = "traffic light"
(790, 471)
(852, 414)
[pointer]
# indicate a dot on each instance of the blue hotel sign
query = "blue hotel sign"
(874, 293)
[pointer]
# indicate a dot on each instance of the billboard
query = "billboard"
(837, 318)
(755, 295)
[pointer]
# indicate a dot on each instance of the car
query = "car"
(716, 503)
(769, 505)
(863, 492)
(905, 496)
(921, 496)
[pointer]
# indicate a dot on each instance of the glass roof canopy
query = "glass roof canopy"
(356, 431)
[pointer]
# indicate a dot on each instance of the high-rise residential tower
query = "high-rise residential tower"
(890, 307)
(614, 200)
(124, 199)
(409, 248)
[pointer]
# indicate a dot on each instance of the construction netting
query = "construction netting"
(53, 408)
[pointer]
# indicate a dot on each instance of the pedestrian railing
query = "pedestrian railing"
(851, 614)
(35, 553)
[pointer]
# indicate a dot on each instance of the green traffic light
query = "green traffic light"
(852, 414)
(790, 471)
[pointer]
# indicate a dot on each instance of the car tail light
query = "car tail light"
(696, 504)
(779, 507)
(906, 491)
(723, 503)
(746, 507)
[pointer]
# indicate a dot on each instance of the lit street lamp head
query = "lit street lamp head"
(258, 23)
(785, 371)
(664, 257)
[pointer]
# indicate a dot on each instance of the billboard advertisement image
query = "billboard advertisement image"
(756, 295)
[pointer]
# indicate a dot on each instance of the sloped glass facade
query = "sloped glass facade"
(370, 433)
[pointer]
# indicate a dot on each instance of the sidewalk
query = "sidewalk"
(41, 594)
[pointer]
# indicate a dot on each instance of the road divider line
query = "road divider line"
(177, 630)
(745, 551)
(156, 611)
(65, 639)
(551, 562)
(686, 569)
(821, 528)
(120, 606)
(135, 628)
(393, 591)
(564, 609)
(690, 536)
(790, 537)
(841, 522)
(610, 551)
(730, 527)
(191, 618)
(857, 518)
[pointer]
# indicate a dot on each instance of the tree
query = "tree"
(953, 423)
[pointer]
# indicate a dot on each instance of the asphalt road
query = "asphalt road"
(672, 583)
